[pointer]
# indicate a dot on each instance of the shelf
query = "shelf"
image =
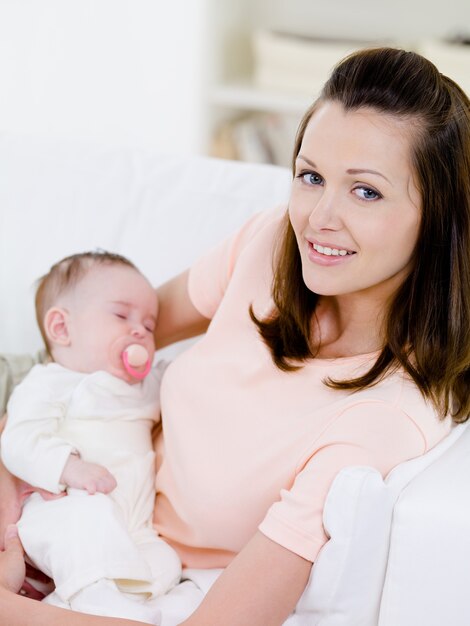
(244, 95)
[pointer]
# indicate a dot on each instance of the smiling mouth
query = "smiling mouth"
(327, 251)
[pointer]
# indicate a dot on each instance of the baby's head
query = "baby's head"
(91, 307)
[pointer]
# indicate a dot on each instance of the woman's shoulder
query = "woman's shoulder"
(265, 224)
(397, 394)
(246, 253)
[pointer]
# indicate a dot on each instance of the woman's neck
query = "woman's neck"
(347, 326)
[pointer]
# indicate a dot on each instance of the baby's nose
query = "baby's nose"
(138, 331)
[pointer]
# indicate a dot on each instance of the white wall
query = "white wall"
(137, 71)
(129, 71)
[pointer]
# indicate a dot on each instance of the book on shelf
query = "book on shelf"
(257, 138)
(298, 63)
(301, 64)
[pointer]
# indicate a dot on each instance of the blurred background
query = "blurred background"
(228, 78)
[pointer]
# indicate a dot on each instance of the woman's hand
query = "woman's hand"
(13, 493)
(12, 565)
(18, 611)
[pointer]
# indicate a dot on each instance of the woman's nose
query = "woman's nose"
(325, 215)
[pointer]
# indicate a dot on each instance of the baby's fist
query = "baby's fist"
(92, 477)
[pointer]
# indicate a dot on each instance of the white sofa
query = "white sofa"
(399, 553)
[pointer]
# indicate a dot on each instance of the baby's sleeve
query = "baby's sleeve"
(210, 275)
(30, 447)
(370, 434)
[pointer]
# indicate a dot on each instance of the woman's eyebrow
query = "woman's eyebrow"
(352, 171)
(366, 171)
(311, 163)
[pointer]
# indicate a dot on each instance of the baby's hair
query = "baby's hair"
(64, 275)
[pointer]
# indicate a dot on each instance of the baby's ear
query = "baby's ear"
(56, 326)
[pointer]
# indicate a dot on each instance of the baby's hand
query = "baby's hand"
(90, 476)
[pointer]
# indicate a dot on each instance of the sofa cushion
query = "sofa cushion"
(58, 198)
(360, 517)
(429, 556)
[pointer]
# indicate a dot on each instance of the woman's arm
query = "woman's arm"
(178, 318)
(19, 611)
(260, 587)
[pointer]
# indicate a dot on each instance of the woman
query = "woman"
(338, 336)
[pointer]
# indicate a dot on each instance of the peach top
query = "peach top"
(247, 446)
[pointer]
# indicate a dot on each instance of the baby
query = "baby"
(81, 425)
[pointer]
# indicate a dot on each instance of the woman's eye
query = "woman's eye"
(366, 193)
(311, 178)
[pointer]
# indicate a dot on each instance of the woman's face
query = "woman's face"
(354, 207)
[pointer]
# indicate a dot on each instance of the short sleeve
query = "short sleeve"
(210, 275)
(367, 434)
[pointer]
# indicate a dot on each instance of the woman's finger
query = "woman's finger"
(12, 540)
(29, 591)
(12, 567)
(25, 490)
(36, 574)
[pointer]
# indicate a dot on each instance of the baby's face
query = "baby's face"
(112, 307)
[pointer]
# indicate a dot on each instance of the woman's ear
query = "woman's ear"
(56, 326)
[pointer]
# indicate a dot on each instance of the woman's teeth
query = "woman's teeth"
(330, 251)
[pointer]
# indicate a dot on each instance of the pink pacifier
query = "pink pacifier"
(134, 356)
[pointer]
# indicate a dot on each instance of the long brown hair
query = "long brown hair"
(427, 327)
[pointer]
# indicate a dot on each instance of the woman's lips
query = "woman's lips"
(327, 254)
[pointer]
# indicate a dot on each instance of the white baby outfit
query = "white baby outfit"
(80, 539)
